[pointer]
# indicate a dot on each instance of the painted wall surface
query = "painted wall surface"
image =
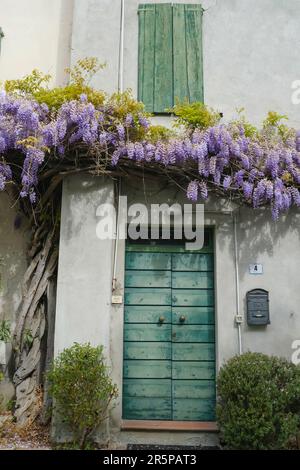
(85, 266)
(250, 51)
(37, 35)
(14, 236)
(84, 310)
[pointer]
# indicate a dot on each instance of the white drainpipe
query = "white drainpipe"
(121, 49)
(237, 286)
(116, 241)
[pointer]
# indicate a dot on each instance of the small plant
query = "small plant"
(259, 402)
(80, 384)
(241, 122)
(195, 115)
(36, 85)
(158, 132)
(28, 337)
(10, 406)
(5, 332)
(273, 125)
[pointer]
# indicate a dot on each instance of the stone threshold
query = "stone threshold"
(189, 426)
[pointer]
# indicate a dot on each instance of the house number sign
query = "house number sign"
(256, 268)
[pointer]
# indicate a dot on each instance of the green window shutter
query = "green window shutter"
(170, 55)
(163, 72)
(187, 52)
(155, 57)
(146, 55)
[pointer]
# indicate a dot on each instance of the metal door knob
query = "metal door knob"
(182, 318)
(161, 319)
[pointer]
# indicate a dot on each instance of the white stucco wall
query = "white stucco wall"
(37, 35)
(14, 237)
(85, 266)
(250, 50)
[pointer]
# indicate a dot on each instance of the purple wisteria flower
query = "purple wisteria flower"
(144, 122)
(192, 191)
(262, 170)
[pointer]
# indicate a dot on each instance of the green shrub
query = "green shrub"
(258, 402)
(195, 115)
(242, 122)
(36, 85)
(158, 132)
(82, 390)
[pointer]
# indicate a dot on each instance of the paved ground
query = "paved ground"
(35, 437)
(158, 447)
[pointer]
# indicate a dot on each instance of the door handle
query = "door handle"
(182, 318)
(161, 319)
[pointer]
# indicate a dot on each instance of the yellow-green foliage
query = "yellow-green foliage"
(273, 119)
(273, 123)
(195, 115)
(28, 85)
(36, 85)
(241, 121)
(124, 103)
(57, 96)
(158, 132)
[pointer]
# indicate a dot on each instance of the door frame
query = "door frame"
(148, 425)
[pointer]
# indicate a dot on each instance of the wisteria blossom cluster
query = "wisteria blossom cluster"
(260, 171)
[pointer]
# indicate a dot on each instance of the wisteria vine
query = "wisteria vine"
(258, 171)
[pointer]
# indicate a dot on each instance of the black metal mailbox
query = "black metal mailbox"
(258, 307)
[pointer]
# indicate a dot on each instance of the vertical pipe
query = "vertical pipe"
(116, 243)
(237, 283)
(121, 49)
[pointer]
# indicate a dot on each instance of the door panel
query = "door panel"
(147, 369)
(193, 333)
(192, 262)
(144, 296)
(194, 315)
(147, 314)
(152, 388)
(193, 409)
(193, 370)
(143, 350)
(192, 298)
(148, 261)
(193, 389)
(148, 279)
(193, 351)
(148, 332)
(192, 280)
(145, 408)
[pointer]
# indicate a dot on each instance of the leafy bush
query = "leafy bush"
(158, 132)
(259, 402)
(80, 384)
(241, 122)
(195, 115)
(36, 85)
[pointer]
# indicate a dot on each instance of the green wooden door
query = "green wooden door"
(169, 334)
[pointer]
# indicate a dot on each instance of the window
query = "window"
(170, 55)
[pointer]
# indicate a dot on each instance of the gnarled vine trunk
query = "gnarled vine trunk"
(32, 322)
